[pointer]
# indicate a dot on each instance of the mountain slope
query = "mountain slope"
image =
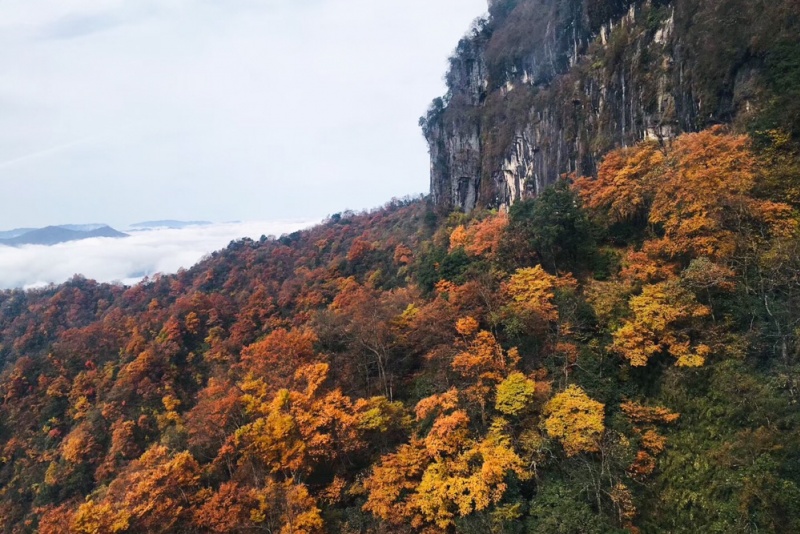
(620, 353)
(578, 364)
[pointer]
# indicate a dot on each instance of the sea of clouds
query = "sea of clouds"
(127, 260)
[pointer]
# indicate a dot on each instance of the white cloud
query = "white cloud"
(127, 110)
(127, 259)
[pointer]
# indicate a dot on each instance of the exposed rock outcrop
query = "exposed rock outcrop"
(545, 87)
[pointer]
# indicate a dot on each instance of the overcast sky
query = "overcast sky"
(119, 111)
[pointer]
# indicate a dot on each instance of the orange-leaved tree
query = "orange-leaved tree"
(697, 194)
(624, 188)
(480, 237)
(651, 442)
(482, 362)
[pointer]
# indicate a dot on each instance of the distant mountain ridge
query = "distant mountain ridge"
(83, 227)
(52, 235)
(8, 234)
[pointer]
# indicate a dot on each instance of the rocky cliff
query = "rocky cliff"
(540, 88)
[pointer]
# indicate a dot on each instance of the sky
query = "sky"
(119, 111)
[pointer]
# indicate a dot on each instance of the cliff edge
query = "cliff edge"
(539, 88)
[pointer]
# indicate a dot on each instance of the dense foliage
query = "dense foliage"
(620, 353)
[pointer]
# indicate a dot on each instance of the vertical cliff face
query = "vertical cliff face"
(545, 87)
(454, 131)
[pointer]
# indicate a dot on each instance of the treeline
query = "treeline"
(619, 354)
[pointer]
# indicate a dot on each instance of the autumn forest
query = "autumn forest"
(618, 354)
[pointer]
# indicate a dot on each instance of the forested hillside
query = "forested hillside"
(618, 354)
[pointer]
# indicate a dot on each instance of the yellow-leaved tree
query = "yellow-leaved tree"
(153, 493)
(514, 394)
(666, 317)
(450, 473)
(575, 420)
(425, 487)
(531, 292)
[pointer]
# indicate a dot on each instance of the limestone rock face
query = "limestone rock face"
(454, 136)
(542, 88)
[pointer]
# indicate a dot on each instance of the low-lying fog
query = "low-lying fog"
(127, 260)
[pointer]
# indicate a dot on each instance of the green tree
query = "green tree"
(552, 229)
